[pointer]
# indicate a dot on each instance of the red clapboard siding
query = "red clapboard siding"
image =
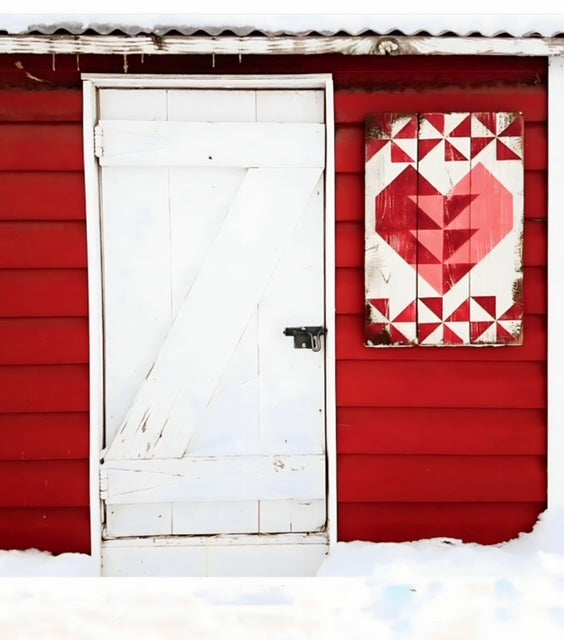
(350, 290)
(44, 436)
(349, 143)
(355, 106)
(41, 147)
(349, 198)
(482, 523)
(40, 106)
(438, 384)
(42, 196)
(42, 244)
(441, 431)
(44, 483)
(43, 292)
(350, 345)
(44, 341)
(54, 529)
(441, 478)
(32, 389)
(350, 244)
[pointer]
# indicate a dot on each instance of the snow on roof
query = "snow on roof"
(286, 24)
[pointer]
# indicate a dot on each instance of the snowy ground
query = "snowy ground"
(434, 589)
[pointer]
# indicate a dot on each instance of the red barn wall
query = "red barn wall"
(431, 441)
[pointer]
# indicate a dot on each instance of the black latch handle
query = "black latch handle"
(306, 337)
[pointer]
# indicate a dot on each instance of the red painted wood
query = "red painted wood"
(440, 478)
(40, 106)
(485, 523)
(44, 483)
(349, 199)
(349, 142)
(416, 431)
(44, 436)
(467, 385)
(41, 147)
(350, 345)
(44, 341)
(350, 244)
(42, 244)
(356, 106)
(43, 292)
(42, 196)
(33, 389)
(54, 529)
(350, 290)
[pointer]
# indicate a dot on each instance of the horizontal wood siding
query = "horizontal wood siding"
(44, 422)
(415, 459)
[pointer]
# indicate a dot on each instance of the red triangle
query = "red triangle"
(503, 336)
(488, 303)
(435, 305)
(378, 333)
(450, 337)
(424, 256)
(425, 329)
(477, 329)
(452, 153)
(399, 155)
(424, 187)
(478, 144)
(515, 312)
(410, 129)
(452, 273)
(462, 130)
(454, 205)
(515, 128)
(425, 222)
(409, 314)
(454, 239)
(373, 147)
(403, 243)
(427, 145)
(395, 209)
(503, 152)
(437, 120)
(462, 314)
(489, 120)
(397, 336)
(382, 305)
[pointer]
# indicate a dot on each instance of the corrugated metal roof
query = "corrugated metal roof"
(279, 25)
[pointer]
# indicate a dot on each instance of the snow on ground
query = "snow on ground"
(434, 589)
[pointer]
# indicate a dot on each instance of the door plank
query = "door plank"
(201, 479)
(213, 144)
(291, 515)
(214, 314)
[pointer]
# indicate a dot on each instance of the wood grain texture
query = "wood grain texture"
(445, 431)
(44, 436)
(441, 478)
(483, 523)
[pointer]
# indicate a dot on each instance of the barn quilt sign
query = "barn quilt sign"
(444, 229)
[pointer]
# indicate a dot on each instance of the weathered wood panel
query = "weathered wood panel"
(441, 478)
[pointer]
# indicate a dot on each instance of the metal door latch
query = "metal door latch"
(306, 337)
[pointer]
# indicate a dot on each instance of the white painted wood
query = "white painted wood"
(218, 144)
(290, 106)
(201, 518)
(291, 555)
(138, 520)
(555, 279)
(311, 45)
(125, 104)
(96, 355)
(171, 398)
(277, 516)
(227, 105)
(201, 479)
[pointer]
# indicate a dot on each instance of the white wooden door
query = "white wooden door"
(212, 214)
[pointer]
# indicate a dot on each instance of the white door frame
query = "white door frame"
(91, 84)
